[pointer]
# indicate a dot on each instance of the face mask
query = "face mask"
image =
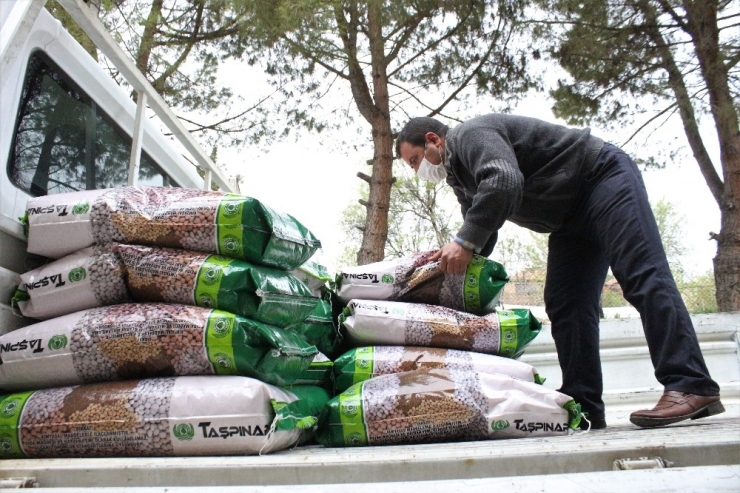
(434, 173)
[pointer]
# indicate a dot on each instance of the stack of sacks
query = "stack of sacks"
(204, 326)
(433, 360)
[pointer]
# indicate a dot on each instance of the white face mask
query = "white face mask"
(434, 173)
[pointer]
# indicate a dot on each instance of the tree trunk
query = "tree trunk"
(376, 221)
(702, 24)
(375, 233)
(147, 40)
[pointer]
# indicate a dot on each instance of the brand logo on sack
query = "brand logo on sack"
(222, 327)
(531, 427)
(234, 430)
(35, 344)
(232, 209)
(80, 209)
(9, 408)
(499, 424)
(472, 297)
(472, 281)
(55, 280)
(223, 361)
(349, 409)
(477, 260)
(509, 335)
(6, 444)
(58, 342)
(183, 431)
(77, 274)
(363, 363)
(373, 278)
(206, 300)
(351, 391)
(231, 244)
(354, 439)
(212, 275)
(387, 279)
(40, 210)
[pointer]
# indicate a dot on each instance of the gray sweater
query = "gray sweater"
(517, 168)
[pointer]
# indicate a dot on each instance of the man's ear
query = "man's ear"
(432, 138)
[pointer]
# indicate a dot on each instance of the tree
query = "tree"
(522, 255)
(625, 57)
(179, 45)
(421, 217)
(670, 225)
(395, 57)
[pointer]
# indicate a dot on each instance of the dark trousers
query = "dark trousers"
(613, 226)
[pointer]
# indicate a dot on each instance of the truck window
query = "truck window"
(64, 142)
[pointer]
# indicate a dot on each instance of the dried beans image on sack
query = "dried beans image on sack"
(177, 416)
(199, 220)
(363, 363)
(504, 333)
(265, 294)
(415, 279)
(142, 340)
(444, 405)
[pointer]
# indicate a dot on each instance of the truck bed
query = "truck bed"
(709, 447)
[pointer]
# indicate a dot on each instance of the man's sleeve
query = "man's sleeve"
(492, 162)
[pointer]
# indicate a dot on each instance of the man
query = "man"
(591, 198)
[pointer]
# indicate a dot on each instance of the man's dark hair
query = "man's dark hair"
(415, 130)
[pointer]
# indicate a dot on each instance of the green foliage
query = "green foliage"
(699, 293)
(524, 256)
(430, 52)
(422, 216)
(619, 53)
(670, 224)
(71, 26)
(179, 45)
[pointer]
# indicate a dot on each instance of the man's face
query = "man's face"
(413, 155)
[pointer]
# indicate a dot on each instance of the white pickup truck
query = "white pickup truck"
(66, 125)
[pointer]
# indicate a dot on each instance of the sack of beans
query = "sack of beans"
(89, 278)
(319, 329)
(265, 294)
(142, 340)
(313, 275)
(417, 280)
(444, 405)
(204, 221)
(362, 363)
(176, 416)
(504, 333)
(320, 373)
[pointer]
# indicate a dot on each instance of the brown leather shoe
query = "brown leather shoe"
(676, 406)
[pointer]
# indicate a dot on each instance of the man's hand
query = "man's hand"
(453, 257)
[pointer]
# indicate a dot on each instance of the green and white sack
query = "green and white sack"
(319, 373)
(89, 278)
(504, 333)
(170, 275)
(144, 340)
(363, 363)
(313, 275)
(199, 220)
(444, 405)
(415, 279)
(319, 329)
(183, 416)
